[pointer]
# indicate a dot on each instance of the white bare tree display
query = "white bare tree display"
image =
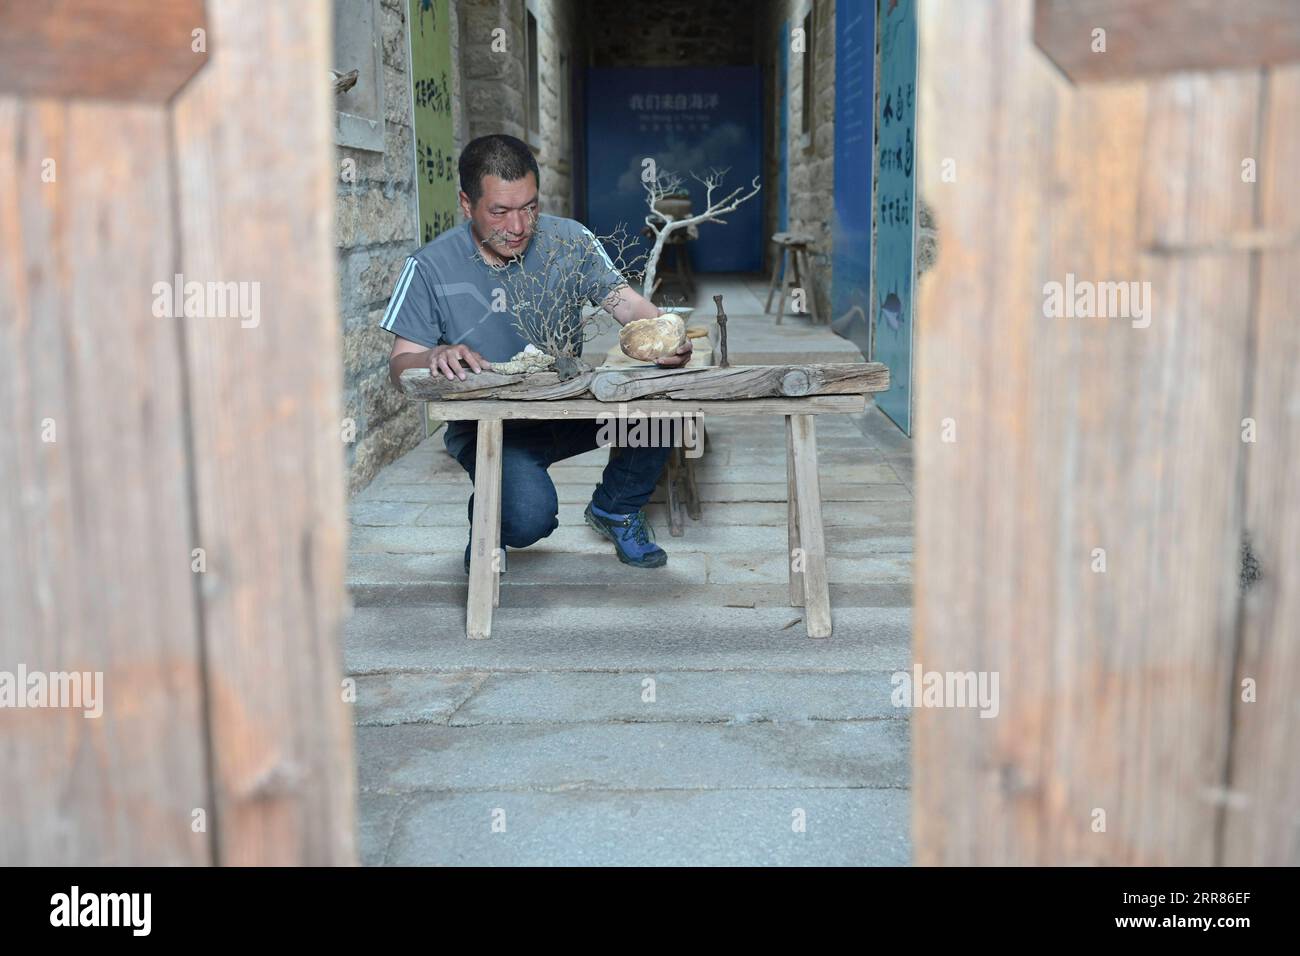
(548, 300)
(668, 185)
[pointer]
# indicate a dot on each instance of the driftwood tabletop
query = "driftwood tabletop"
(618, 384)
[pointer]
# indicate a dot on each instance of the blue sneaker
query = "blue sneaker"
(503, 559)
(632, 536)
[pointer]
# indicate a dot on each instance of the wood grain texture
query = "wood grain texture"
(623, 385)
(258, 189)
(95, 524)
(485, 536)
(1261, 797)
(1146, 37)
(422, 384)
(590, 408)
(138, 50)
(740, 381)
(1074, 435)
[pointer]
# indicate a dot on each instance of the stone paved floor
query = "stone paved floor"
(621, 716)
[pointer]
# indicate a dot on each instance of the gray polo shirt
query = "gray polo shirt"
(447, 294)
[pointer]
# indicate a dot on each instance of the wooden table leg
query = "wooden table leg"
(792, 516)
(673, 492)
(817, 595)
(692, 489)
(485, 535)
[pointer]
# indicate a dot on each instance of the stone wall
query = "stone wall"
(495, 83)
(673, 33)
(375, 226)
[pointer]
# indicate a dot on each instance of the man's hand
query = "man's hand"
(678, 358)
(441, 359)
(447, 359)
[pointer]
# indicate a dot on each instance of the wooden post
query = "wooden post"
(1085, 472)
(1146, 37)
(124, 50)
(176, 517)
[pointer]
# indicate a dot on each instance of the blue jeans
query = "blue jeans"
(529, 504)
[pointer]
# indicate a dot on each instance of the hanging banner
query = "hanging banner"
(895, 206)
(437, 180)
(855, 53)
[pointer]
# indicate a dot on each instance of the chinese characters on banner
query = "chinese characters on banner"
(436, 173)
(673, 112)
(895, 202)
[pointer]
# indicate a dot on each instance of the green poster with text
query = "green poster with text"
(435, 159)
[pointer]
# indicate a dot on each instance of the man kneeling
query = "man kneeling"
(441, 314)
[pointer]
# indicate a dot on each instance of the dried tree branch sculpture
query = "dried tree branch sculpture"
(547, 301)
(668, 184)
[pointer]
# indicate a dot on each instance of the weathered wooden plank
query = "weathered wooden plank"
(755, 381)
(257, 183)
(623, 385)
(1049, 444)
(486, 531)
(1145, 37)
(590, 408)
(95, 519)
(141, 50)
(426, 385)
(1261, 795)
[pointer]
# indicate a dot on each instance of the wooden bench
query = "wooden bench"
(806, 559)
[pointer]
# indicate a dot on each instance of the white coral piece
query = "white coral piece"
(531, 359)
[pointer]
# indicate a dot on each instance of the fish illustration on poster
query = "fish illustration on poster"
(895, 261)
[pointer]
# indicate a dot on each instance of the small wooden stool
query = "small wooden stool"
(681, 492)
(790, 248)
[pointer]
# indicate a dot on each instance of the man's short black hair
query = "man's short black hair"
(498, 155)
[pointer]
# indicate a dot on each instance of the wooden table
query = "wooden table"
(807, 555)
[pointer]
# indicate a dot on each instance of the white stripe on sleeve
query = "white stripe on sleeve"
(399, 293)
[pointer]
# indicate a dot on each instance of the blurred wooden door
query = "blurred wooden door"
(172, 461)
(1088, 477)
